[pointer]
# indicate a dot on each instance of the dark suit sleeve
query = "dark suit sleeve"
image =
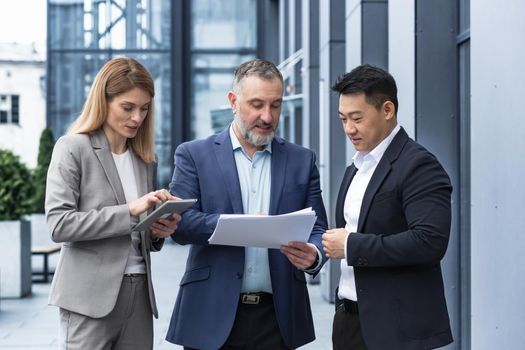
(420, 204)
(315, 200)
(195, 227)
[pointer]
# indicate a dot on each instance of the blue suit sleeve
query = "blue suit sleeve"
(315, 200)
(195, 227)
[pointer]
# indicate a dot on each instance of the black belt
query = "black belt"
(135, 276)
(349, 306)
(255, 298)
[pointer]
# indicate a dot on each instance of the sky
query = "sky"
(23, 21)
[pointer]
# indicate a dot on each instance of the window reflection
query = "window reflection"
(84, 34)
(223, 36)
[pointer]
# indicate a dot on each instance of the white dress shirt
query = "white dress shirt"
(366, 164)
(255, 182)
(126, 173)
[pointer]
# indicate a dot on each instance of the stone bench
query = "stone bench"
(45, 251)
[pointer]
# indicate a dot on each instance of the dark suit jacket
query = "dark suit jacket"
(209, 290)
(402, 235)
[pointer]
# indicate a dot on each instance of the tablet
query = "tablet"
(164, 211)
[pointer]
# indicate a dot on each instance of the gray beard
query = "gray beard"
(256, 140)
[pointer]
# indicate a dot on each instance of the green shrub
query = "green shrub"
(39, 175)
(15, 187)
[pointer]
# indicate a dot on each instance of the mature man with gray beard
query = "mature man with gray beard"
(235, 297)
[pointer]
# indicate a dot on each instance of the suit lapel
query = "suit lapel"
(278, 172)
(228, 169)
(383, 169)
(102, 151)
(345, 184)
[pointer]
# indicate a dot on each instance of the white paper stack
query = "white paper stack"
(265, 231)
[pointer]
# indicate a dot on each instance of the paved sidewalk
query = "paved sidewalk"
(29, 324)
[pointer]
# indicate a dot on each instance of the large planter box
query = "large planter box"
(15, 259)
(40, 232)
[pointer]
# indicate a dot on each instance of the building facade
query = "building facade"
(22, 100)
(458, 97)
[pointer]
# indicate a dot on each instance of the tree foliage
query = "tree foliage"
(39, 175)
(15, 187)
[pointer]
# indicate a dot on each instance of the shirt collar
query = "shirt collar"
(376, 154)
(236, 144)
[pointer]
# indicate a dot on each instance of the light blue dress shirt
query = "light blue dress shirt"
(255, 181)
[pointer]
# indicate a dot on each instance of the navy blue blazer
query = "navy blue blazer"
(402, 235)
(209, 291)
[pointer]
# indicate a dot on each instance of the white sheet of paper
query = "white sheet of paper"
(265, 231)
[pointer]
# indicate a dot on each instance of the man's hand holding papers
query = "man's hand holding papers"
(302, 255)
(287, 232)
(265, 231)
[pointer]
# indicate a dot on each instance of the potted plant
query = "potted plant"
(39, 232)
(15, 232)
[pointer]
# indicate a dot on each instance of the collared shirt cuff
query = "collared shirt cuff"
(318, 265)
(346, 245)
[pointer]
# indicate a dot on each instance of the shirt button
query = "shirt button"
(250, 269)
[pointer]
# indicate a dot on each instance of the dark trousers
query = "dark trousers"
(346, 330)
(255, 328)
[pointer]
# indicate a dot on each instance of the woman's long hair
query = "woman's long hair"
(116, 77)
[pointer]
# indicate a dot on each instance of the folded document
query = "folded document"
(265, 231)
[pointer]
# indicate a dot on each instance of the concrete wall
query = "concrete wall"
(24, 79)
(497, 167)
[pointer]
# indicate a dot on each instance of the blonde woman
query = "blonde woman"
(100, 181)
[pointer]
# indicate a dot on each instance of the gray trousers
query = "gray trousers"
(128, 327)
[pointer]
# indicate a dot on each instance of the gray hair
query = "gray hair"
(260, 68)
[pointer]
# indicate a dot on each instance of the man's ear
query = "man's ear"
(389, 110)
(232, 97)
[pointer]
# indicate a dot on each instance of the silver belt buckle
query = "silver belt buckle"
(250, 299)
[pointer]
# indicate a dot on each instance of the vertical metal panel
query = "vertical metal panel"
(180, 56)
(402, 58)
(332, 138)
(50, 122)
(464, 194)
(332, 59)
(268, 30)
(310, 44)
(374, 33)
(497, 169)
(437, 125)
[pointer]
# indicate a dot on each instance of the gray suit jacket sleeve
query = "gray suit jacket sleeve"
(70, 217)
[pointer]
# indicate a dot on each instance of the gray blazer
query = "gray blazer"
(86, 210)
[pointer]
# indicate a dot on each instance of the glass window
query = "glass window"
(116, 24)
(223, 36)
(84, 34)
(221, 61)
(210, 93)
(9, 110)
(223, 23)
(14, 109)
(212, 79)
